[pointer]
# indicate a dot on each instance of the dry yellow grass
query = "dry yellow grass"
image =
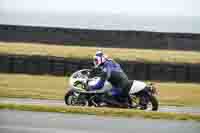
(88, 52)
(179, 93)
(32, 86)
(52, 87)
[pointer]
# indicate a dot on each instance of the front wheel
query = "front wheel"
(70, 98)
(75, 99)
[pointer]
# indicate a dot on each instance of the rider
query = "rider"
(113, 73)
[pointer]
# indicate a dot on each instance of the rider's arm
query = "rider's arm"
(104, 75)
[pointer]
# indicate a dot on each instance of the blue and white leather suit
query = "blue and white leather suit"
(112, 72)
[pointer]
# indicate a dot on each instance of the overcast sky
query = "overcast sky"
(151, 15)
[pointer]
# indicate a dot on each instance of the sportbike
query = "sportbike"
(141, 95)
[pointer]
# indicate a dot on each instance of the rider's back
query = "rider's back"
(115, 74)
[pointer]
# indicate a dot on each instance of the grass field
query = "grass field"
(52, 87)
(88, 52)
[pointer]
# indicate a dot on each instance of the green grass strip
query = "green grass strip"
(102, 111)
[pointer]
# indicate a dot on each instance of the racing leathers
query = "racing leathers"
(112, 72)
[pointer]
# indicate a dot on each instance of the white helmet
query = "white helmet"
(99, 58)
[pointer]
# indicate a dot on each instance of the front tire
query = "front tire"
(75, 99)
(69, 97)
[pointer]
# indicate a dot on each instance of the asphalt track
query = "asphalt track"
(191, 110)
(12, 121)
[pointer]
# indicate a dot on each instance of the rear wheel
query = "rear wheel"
(149, 103)
(154, 102)
(144, 103)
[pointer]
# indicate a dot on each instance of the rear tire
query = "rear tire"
(154, 102)
(151, 103)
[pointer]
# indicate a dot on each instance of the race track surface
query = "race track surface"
(191, 110)
(12, 121)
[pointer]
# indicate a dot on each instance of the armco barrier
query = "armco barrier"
(65, 66)
(100, 38)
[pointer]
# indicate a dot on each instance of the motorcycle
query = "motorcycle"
(141, 95)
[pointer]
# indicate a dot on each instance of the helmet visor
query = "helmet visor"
(97, 61)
